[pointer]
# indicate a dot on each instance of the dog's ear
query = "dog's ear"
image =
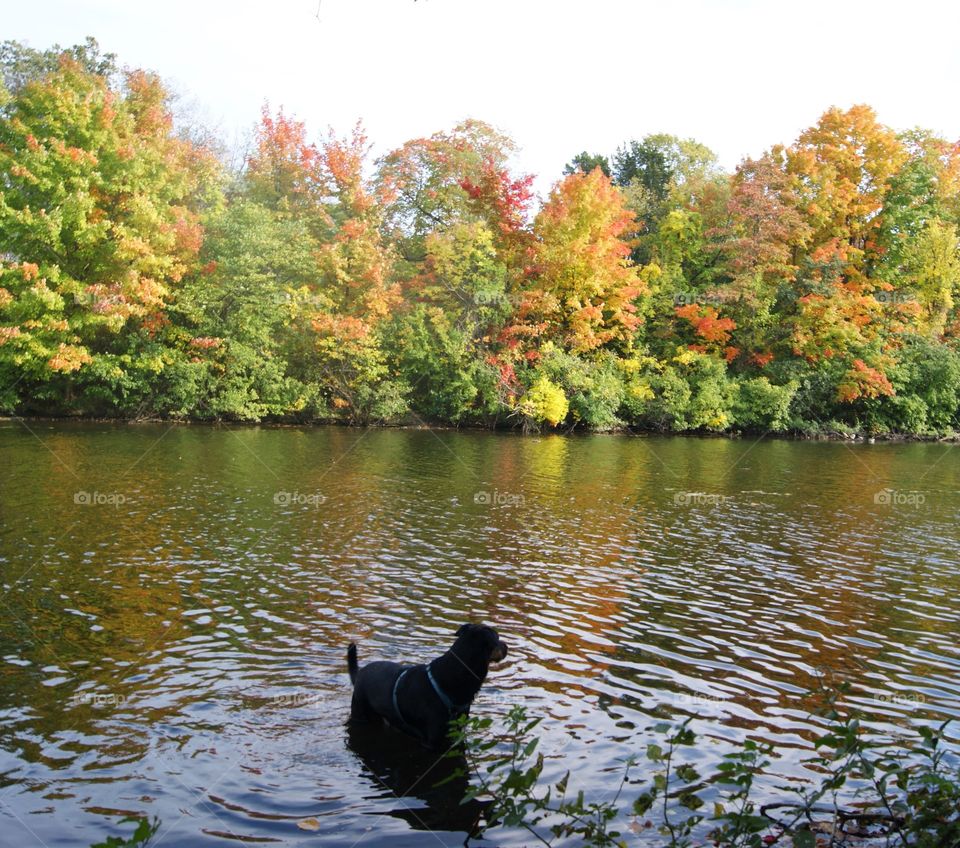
(464, 628)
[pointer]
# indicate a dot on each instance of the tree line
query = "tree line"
(812, 289)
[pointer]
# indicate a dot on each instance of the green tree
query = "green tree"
(932, 270)
(586, 162)
(20, 64)
(99, 223)
(235, 318)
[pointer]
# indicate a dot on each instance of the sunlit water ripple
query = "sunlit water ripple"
(178, 650)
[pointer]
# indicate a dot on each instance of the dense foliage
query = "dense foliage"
(813, 289)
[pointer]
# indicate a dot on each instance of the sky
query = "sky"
(558, 77)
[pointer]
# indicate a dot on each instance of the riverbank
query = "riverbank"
(612, 305)
(791, 435)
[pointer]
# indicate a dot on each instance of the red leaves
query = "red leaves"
(343, 160)
(503, 201)
(863, 381)
(188, 233)
(343, 328)
(285, 165)
(761, 359)
(285, 136)
(475, 191)
(830, 250)
(148, 99)
(155, 322)
(706, 322)
(206, 342)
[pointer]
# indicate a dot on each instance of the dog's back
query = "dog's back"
(373, 689)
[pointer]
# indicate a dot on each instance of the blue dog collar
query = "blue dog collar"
(396, 686)
(444, 698)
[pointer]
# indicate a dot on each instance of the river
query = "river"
(176, 603)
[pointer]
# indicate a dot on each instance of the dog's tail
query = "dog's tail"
(352, 662)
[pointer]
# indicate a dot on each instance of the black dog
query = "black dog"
(421, 699)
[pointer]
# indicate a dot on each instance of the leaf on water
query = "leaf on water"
(310, 824)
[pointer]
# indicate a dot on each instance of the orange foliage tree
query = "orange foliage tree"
(585, 291)
(99, 222)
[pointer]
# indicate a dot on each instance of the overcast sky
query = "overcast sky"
(557, 76)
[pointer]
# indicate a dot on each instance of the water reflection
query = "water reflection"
(180, 653)
(401, 770)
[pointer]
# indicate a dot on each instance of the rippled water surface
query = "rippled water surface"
(176, 603)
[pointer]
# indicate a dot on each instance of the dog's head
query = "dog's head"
(483, 640)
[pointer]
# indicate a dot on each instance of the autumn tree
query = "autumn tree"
(285, 172)
(336, 286)
(841, 170)
(760, 243)
(355, 290)
(446, 179)
(460, 220)
(586, 290)
(99, 223)
(843, 167)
